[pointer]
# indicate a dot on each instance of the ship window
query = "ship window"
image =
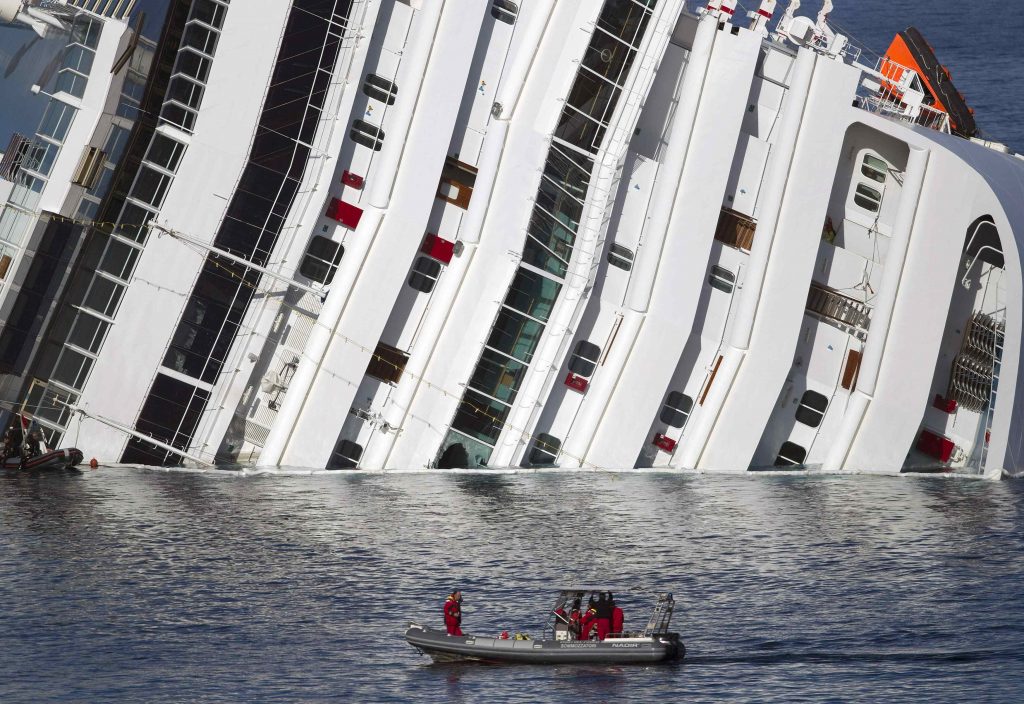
(457, 181)
(676, 409)
(812, 408)
(208, 11)
(387, 363)
(541, 257)
(150, 186)
(620, 256)
(88, 332)
(424, 274)
(165, 152)
(134, 221)
(380, 89)
(545, 449)
(722, 279)
(179, 115)
(480, 417)
(201, 38)
(321, 260)
(104, 296)
(366, 134)
(192, 64)
(498, 375)
(790, 454)
(532, 294)
(56, 120)
(119, 259)
(186, 91)
(504, 11)
(346, 455)
(72, 368)
(515, 335)
(867, 198)
(117, 139)
(874, 168)
(584, 358)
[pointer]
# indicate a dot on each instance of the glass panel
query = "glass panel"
(88, 332)
(532, 294)
(193, 64)
(625, 19)
(461, 452)
(545, 449)
(150, 186)
(572, 175)
(133, 221)
(874, 168)
(593, 96)
(539, 256)
(165, 152)
(480, 417)
(103, 296)
(515, 335)
(499, 376)
(608, 57)
(72, 368)
(56, 120)
(721, 279)
(119, 259)
(200, 37)
(116, 141)
(867, 198)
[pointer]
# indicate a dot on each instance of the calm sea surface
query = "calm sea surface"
(131, 585)
(128, 585)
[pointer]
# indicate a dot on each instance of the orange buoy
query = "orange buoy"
(93, 463)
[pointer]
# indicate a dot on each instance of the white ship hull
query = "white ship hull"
(403, 235)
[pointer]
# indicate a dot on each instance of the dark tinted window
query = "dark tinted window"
(676, 409)
(812, 408)
(584, 358)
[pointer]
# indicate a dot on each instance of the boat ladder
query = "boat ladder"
(661, 616)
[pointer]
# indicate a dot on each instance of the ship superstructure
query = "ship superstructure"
(404, 234)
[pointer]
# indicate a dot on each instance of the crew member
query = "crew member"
(603, 611)
(588, 623)
(618, 618)
(575, 618)
(453, 613)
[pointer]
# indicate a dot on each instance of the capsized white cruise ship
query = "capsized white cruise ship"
(485, 233)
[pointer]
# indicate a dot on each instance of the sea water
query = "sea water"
(134, 585)
(139, 585)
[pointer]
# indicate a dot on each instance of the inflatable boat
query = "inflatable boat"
(66, 458)
(653, 644)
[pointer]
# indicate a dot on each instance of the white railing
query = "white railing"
(896, 91)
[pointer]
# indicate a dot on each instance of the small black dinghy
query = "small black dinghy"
(560, 643)
(66, 458)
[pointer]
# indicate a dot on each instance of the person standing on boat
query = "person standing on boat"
(575, 617)
(603, 613)
(453, 613)
(588, 622)
(618, 618)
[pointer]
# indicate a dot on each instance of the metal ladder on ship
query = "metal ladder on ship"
(990, 412)
(661, 616)
(851, 315)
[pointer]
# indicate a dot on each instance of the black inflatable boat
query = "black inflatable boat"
(66, 458)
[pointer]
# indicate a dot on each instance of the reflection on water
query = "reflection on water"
(164, 587)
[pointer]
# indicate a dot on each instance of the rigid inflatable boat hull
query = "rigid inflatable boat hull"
(55, 459)
(623, 651)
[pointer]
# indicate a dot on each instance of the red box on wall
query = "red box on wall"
(438, 248)
(664, 442)
(935, 445)
(946, 405)
(345, 213)
(576, 382)
(351, 179)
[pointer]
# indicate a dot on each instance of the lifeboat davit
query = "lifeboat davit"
(910, 49)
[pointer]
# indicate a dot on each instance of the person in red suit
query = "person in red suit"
(618, 618)
(588, 623)
(453, 613)
(575, 620)
(604, 616)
